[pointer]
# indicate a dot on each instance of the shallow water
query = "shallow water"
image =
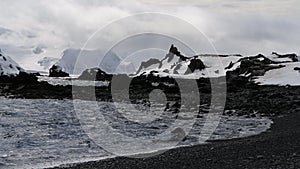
(40, 133)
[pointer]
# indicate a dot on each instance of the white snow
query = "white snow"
(8, 66)
(215, 67)
(283, 76)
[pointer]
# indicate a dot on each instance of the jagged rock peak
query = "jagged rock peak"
(176, 52)
(95, 74)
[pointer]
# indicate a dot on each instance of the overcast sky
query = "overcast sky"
(33, 29)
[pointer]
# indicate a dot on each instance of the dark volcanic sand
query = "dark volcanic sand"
(277, 148)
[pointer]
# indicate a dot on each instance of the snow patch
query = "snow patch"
(283, 76)
(215, 67)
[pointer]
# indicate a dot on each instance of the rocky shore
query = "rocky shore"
(279, 147)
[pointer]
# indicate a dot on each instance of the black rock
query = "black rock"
(21, 78)
(95, 74)
(176, 52)
(56, 71)
(292, 56)
(196, 64)
(230, 65)
(254, 66)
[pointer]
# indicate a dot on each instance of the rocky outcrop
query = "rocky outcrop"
(95, 74)
(21, 78)
(292, 56)
(174, 63)
(254, 66)
(56, 71)
(195, 64)
(297, 69)
(176, 52)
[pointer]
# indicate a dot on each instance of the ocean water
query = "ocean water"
(44, 133)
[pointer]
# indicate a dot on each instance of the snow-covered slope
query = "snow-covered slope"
(87, 59)
(8, 66)
(177, 65)
(273, 69)
(287, 75)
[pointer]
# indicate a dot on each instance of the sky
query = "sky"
(31, 30)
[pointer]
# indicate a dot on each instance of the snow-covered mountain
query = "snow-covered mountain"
(73, 64)
(176, 64)
(273, 69)
(8, 66)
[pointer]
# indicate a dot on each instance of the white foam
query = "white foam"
(46, 132)
(63, 81)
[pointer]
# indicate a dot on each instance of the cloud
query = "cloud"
(235, 26)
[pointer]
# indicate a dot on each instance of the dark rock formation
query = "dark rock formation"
(292, 56)
(95, 74)
(175, 51)
(56, 71)
(254, 66)
(22, 77)
(196, 64)
(297, 69)
(231, 64)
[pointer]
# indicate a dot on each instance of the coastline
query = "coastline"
(279, 147)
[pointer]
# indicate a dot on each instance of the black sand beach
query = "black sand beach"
(279, 147)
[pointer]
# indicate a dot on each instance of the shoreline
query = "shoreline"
(279, 147)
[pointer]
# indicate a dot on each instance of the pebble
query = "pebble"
(259, 156)
(295, 155)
